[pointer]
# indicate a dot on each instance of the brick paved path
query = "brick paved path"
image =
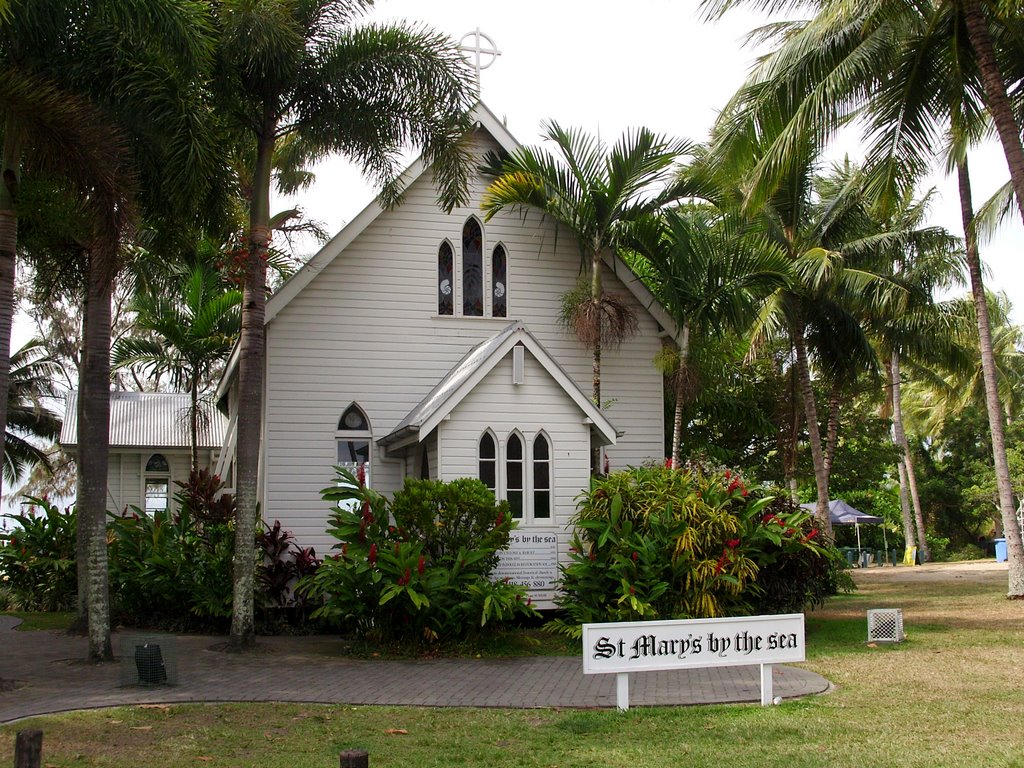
(48, 675)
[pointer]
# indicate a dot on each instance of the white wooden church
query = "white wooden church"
(428, 344)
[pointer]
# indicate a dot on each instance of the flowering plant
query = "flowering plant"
(415, 568)
(664, 542)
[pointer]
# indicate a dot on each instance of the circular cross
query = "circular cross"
(477, 49)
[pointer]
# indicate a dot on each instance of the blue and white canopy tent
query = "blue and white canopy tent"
(841, 513)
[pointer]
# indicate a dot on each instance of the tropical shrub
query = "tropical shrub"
(655, 542)
(37, 560)
(414, 569)
(174, 569)
(284, 563)
(791, 575)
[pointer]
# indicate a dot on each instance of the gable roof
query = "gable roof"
(470, 371)
(149, 420)
(487, 121)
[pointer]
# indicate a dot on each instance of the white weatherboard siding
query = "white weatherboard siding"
(126, 485)
(537, 406)
(366, 330)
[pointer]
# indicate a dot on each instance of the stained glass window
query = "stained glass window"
(353, 419)
(157, 463)
(488, 462)
(445, 278)
(514, 475)
(472, 269)
(541, 478)
(499, 284)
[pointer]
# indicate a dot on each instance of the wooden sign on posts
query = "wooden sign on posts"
(644, 646)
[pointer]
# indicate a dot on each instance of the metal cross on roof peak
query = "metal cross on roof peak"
(477, 50)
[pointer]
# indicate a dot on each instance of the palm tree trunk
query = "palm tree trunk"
(909, 535)
(10, 175)
(903, 444)
(909, 531)
(813, 433)
(995, 95)
(790, 438)
(595, 298)
(1011, 528)
(677, 417)
(83, 524)
(94, 443)
(252, 354)
(193, 418)
(835, 403)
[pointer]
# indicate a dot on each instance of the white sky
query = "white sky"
(649, 62)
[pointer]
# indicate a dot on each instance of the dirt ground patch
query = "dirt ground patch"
(981, 571)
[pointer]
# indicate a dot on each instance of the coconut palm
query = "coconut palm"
(86, 99)
(820, 224)
(914, 73)
(29, 421)
(302, 69)
(920, 336)
(710, 275)
(183, 339)
(592, 191)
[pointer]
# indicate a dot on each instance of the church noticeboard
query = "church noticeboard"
(531, 559)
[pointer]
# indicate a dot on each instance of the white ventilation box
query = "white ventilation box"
(885, 625)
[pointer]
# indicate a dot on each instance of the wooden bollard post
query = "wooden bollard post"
(355, 758)
(28, 749)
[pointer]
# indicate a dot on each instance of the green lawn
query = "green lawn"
(951, 695)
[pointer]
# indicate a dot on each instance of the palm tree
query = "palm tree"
(184, 338)
(819, 224)
(302, 71)
(594, 192)
(913, 72)
(85, 100)
(711, 278)
(29, 421)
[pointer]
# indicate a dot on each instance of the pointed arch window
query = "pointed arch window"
(445, 279)
(541, 468)
(468, 285)
(472, 269)
(520, 473)
(499, 282)
(488, 462)
(514, 474)
(353, 441)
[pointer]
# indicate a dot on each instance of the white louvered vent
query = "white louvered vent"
(885, 625)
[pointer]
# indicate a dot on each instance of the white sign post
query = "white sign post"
(646, 646)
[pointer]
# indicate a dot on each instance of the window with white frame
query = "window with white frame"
(353, 441)
(519, 471)
(482, 287)
(158, 483)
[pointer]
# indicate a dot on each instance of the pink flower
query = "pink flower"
(373, 554)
